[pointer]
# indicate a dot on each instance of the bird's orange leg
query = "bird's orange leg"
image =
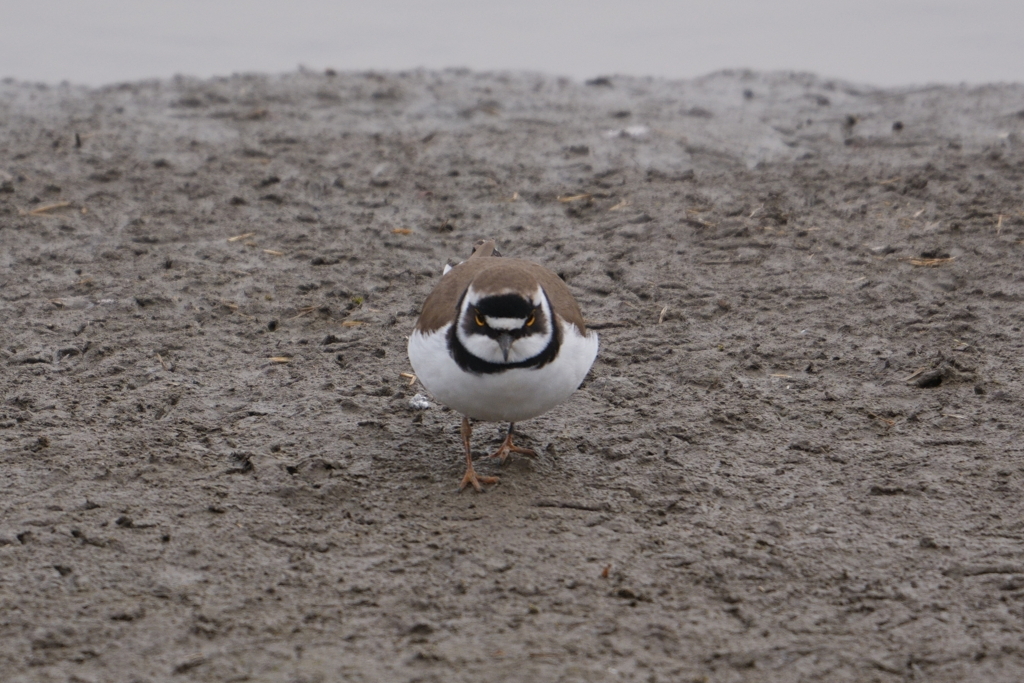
(508, 447)
(471, 477)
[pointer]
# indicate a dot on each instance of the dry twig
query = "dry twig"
(915, 374)
(574, 197)
(305, 310)
(45, 208)
(888, 423)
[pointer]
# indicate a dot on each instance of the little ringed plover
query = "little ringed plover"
(502, 340)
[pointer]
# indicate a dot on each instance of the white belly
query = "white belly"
(509, 396)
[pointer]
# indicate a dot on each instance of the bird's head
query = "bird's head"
(506, 325)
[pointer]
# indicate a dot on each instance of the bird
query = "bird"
(500, 340)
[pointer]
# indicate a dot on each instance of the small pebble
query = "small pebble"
(419, 402)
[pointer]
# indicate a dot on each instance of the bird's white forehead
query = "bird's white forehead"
(504, 323)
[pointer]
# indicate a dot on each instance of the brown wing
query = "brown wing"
(562, 300)
(484, 248)
(441, 306)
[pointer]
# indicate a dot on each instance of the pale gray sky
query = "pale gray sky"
(880, 42)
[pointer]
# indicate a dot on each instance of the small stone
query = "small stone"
(419, 402)
(421, 629)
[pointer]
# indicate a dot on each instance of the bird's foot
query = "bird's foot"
(471, 478)
(508, 447)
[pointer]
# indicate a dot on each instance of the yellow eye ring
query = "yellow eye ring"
(533, 319)
(479, 321)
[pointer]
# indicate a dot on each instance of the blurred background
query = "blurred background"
(877, 42)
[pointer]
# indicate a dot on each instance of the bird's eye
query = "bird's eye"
(479, 321)
(532, 320)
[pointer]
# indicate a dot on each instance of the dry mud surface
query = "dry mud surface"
(798, 457)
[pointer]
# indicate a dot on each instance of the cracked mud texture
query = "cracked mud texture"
(797, 458)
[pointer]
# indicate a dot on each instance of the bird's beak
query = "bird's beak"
(505, 342)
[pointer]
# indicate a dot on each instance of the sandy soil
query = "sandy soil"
(798, 457)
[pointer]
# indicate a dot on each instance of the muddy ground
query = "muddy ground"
(797, 458)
